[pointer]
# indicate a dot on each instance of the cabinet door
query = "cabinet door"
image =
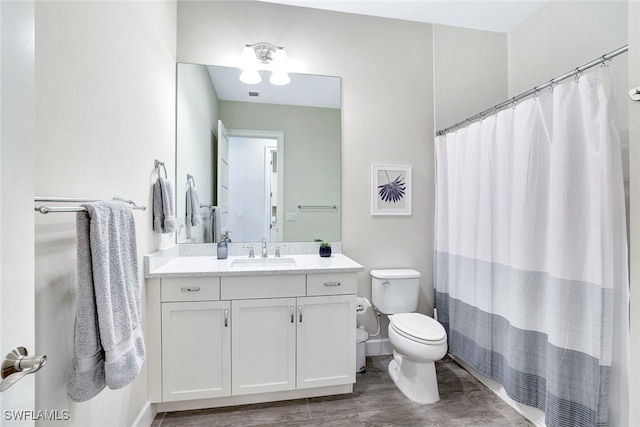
(196, 350)
(326, 341)
(263, 345)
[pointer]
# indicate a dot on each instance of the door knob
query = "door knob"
(634, 93)
(17, 364)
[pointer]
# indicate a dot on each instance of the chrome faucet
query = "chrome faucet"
(251, 255)
(264, 247)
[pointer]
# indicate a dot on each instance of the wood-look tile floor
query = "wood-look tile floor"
(375, 401)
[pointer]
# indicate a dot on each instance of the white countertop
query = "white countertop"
(203, 266)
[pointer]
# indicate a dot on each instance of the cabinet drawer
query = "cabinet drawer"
(192, 289)
(332, 284)
(245, 287)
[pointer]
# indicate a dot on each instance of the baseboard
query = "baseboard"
(379, 347)
(145, 416)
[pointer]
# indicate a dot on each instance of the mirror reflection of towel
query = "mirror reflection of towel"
(193, 207)
(214, 225)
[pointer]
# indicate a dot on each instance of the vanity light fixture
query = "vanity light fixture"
(264, 56)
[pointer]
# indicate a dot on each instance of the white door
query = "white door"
(326, 341)
(263, 345)
(223, 178)
(271, 194)
(17, 119)
(201, 330)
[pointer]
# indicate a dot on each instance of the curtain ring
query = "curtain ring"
(578, 74)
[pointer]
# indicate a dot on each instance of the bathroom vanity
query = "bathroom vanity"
(246, 330)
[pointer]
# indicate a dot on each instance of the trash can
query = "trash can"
(361, 349)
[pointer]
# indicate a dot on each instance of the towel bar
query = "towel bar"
(47, 209)
(317, 207)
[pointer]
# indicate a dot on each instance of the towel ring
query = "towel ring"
(157, 163)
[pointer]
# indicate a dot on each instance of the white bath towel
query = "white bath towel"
(108, 344)
(164, 219)
(194, 217)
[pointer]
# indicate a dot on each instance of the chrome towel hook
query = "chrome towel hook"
(157, 163)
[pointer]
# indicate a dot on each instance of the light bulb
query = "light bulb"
(279, 76)
(250, 76)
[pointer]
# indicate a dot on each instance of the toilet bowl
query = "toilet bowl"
(418, 340)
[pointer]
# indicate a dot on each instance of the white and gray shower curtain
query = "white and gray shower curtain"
(530, 252)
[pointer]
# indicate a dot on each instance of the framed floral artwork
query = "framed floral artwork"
(390, 189)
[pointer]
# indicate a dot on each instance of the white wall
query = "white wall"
(105, 109)
(562, 36)
(387, 109)
(470, 68)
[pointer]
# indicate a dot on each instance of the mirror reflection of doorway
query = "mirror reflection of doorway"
(254, 212)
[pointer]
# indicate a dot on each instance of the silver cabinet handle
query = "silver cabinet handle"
(332, 283)
(300, 313)
(292, 315)
(17, 364)
(194, 289)
(226, 318)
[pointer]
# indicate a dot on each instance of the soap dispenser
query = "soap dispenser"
(223, 250)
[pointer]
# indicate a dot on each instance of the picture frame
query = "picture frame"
(390, 189)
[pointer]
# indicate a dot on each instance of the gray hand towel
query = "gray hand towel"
(194, 217)
(164, 219)
(214, 224)
(108, 344)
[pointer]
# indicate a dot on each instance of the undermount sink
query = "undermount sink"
(263, 262)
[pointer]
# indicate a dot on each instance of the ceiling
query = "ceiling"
(500, 16)
(304, 90)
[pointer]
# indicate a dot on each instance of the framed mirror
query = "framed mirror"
(256, 161)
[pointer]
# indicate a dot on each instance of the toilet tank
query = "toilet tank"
(395, 291)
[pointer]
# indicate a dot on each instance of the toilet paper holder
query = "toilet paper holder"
(362, 305)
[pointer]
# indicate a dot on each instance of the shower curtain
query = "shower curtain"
(530, 252)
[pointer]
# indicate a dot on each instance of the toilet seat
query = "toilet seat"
(419, 328)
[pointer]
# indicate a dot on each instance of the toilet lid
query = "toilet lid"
(419, 327)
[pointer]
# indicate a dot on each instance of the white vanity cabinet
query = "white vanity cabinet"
(264, 345)
(196, 340)
(296, 342)
(241, 339)
(196, 350)
(326, 341)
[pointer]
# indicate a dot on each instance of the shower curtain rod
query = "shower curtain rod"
(536, 89)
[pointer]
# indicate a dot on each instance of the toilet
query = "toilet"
(417, 340)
